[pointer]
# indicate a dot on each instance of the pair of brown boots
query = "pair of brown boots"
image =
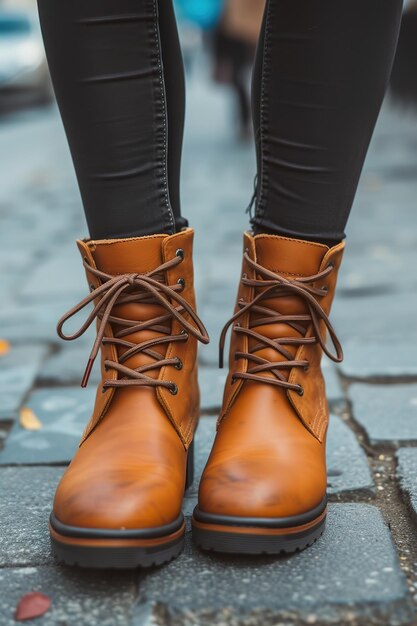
(264, 486)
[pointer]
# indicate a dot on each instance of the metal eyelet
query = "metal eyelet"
(325, 289)
(233, 380)
(181, 282)
(103, 389)
(244, 275)
(180, 253)
(179, 364)
(300, 391)
(173, 389)
(92, 288)
(306, 368)
(184, 332)
(331, 264)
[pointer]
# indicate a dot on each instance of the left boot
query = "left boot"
(264, 487)
(119, 503)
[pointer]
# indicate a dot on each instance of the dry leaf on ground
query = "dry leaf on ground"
(4, 347)
(28, 419)
(31, 605)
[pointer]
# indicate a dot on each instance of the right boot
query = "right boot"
(263, 490)
(119, 503)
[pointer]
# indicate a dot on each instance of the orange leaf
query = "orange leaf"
(28, 419)
(31, 605)
(4, 347)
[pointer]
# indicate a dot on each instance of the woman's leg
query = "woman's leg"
(320, 75)
(119, 81)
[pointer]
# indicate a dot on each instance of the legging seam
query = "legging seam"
(263, 190)
(167, 215)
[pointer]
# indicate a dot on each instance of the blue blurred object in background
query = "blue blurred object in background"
(24, 76)
(203, 13)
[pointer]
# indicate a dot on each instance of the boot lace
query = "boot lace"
(148, 288)
(274, 285)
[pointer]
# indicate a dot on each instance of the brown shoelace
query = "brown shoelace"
(276, 286)
(146, 288)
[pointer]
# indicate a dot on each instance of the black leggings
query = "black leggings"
(320, 75)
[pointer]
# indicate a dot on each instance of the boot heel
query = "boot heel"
(190, 466)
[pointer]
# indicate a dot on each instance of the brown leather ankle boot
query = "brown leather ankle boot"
(119, 502)
(264, 487)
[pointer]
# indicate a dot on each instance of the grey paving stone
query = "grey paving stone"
(4, 431)
(203, 442)
(67, 366)
(22, 324)
(376, 270)
(63, 412)
(352, 572)
(30, 229)
(347, 466)
(334, 390)
(61, 274)
(373, 222)
(14, 266)
(214, 321)
(388, 413)
(372, 359)
(26, 496)
(79, 598)
(366, 319)
(407, 473)
(224, 252)
(211, 380)
(18, 370)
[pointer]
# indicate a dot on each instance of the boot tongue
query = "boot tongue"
(123, 256)
(292, 257)
(137, 255)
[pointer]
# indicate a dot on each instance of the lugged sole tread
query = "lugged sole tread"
(239, 543)
(105, 558)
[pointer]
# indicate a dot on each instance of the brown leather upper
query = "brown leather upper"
(129, 471)
(268, 459)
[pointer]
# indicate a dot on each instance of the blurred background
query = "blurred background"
(41, 213)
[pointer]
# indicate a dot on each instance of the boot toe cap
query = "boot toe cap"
(260, 489)
(115, 503)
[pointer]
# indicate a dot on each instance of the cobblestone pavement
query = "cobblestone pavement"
(364, 569)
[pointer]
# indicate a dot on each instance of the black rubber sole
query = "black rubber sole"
(253, 536)
(120, 549)
(115, 558)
